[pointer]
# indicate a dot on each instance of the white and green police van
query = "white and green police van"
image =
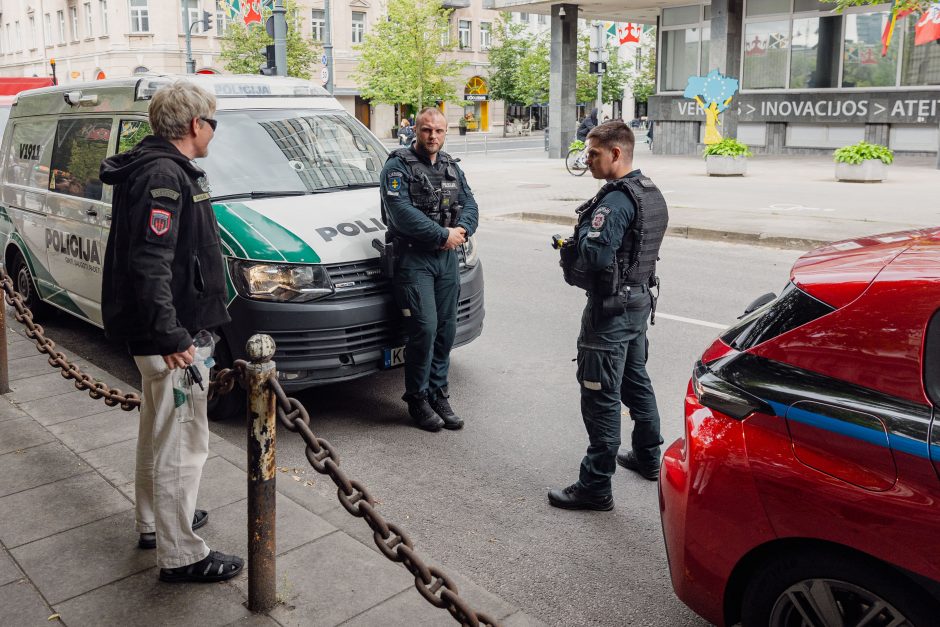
(294, 181)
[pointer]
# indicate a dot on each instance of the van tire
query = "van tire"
(25, 286)
(235, 403)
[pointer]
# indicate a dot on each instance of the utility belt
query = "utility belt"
(609, 305)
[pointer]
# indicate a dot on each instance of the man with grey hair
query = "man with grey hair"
(163, 281)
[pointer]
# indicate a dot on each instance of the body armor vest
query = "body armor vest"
(635, 260)
(433, 190)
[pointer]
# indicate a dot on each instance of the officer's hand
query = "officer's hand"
(455, 238)
(180, 360)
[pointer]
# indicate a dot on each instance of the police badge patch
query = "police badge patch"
(160, 221)
(394, 181)
(598, 220)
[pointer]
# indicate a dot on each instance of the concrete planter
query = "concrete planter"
(868, 171)
(720, 165)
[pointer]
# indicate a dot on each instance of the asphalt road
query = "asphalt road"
(475, 499)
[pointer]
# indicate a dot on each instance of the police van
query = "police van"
(294, 181)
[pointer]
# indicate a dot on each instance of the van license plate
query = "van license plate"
(394, 357)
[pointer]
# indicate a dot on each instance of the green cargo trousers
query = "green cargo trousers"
(427, 286)
(612, 354)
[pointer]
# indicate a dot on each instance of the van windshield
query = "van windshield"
(291, 151)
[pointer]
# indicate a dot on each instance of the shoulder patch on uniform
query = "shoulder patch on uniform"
(599, 217)
(393, 180)
(201, 197)
(647, 183)
(160, 221)
(164, 192)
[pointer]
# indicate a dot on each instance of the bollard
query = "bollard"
(262, 479)
(4, 365)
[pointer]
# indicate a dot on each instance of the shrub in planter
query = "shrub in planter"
(863, 162)
(462, 126)
(726, 158)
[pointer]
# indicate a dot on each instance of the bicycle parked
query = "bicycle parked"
(576, 161)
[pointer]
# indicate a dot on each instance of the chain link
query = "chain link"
(433, 584)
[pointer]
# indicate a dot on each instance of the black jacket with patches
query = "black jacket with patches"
(163, 276)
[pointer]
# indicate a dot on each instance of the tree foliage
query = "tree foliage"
(615, 79)
(243, 46)
(912, 5)
(509, 47)
(402, 58)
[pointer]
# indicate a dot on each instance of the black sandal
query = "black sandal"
(149, 540)
(214, 567)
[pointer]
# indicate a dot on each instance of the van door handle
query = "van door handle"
(91, 212)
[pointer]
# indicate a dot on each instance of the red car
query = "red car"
(806, 490)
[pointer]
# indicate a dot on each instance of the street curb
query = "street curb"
(689, 232)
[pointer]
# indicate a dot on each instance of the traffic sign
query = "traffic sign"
(323, 59)
(324, 74)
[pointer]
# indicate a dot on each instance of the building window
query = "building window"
(814, 54)
(542, 19)
(195, 24)
(19, 36)
(317, 24)
(862, 63)
(358, 26)
(463, 34)
(486, 35)
(445, 36)
(47, 28)
(32, 32)
(10, 47)
(140, 16)
(221, 19)
(684, 46)
(73, 18)
(920, 65)
(524, 18)
(766, 49)
(141, 69)
(89, 21)
(103, 10)
(61, 16)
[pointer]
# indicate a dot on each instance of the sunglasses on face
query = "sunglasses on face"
(211, 122)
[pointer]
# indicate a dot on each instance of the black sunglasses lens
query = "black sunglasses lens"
(211, 122)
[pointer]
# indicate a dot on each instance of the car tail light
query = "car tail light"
(716, 393)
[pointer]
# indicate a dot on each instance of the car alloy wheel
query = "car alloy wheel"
(832, 603)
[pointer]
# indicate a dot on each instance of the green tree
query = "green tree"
(644, 82)
(243, 46)
(509, 47)
(533, 73)
(615, 79)
(402, 58)
(914, 5)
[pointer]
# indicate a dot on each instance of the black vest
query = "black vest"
(635, 261)
(433, 190)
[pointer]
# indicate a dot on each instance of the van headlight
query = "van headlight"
(470, 252)
(294, 283)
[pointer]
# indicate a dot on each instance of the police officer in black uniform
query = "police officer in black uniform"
(612, 256)
(430, 212)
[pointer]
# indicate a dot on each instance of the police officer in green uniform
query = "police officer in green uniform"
(430, 212)
(612, 256)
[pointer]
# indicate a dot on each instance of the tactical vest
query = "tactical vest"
(434, 190)
(635, 261)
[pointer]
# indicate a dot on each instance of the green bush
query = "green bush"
(728, 147)
(576, 145)
(863, 151)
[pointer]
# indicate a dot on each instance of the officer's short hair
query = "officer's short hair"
(428, 111)
(614, 133)
(175, 105)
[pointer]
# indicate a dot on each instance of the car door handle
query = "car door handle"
(91, 212)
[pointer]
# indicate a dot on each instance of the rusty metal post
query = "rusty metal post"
(4, 365)
(262, 471)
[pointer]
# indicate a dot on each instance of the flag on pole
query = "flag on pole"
(251, 12)
(232, 8)
(927, 28)
(629, 33)
(889, 28)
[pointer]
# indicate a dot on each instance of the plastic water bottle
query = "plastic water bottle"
(205, 346)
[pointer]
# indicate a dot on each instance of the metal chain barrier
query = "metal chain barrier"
(433, 584)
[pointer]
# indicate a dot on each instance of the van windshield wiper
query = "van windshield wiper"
(256, 195)
(339, 188)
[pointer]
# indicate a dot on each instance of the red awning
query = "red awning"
(11, 86)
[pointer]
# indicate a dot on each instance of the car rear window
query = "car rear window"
(793, 308)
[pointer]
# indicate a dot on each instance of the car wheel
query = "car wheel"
(231, 405)
(26, 287)
(827, 589)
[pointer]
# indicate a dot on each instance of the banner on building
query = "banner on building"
(928, 26)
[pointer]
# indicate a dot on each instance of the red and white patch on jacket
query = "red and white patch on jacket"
(160, 221)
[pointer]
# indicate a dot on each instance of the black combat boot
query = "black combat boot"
(421, 412)
(576, 497)
(441, 406)
(628, 460)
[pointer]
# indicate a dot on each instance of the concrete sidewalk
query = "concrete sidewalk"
(783, 201)
(68, 550)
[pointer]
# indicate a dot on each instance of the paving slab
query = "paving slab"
(26, 348)
(144, 600)
(40, 386)
(9, 571)
(115, 462)
(222, 483)
(84, 558)
(333, 579)
(36, 466)
(408, 609)
(65, 403)
(55, 507)
(22, 433)
(31, 366)
(255, 620)
(227, 530)
(97, 430)
(9, 410)
(22, 605)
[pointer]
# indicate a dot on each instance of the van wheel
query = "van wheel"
(231, 405)
(831, 589)
(26, 287)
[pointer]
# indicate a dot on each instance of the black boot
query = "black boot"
(421, 412)
(441, 406)
(575, 497)
(628, 460)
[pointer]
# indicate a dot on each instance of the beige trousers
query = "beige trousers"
(172, 448)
